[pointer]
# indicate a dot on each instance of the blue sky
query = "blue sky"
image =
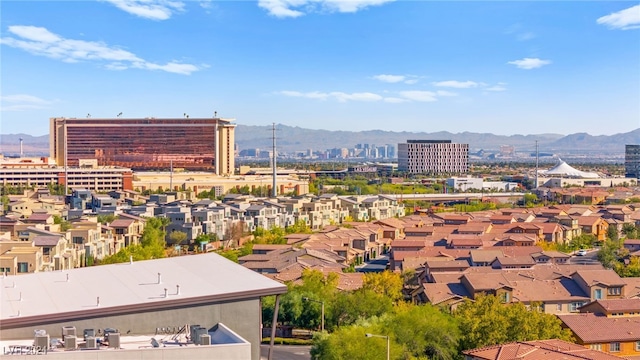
(503, 67)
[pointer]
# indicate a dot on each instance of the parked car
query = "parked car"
(581, 252)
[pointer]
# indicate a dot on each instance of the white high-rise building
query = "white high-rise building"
(433, 157)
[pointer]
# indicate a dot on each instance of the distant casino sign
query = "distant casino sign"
(363, 169)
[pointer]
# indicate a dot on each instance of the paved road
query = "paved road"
(378, 264)
(286, 352)
(590, 258)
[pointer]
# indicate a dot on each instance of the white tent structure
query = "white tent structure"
(565, 170)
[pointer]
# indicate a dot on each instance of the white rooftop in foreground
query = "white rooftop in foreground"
(225, 344)
(99, 289)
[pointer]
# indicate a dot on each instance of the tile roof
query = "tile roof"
(561, 290)
(485, 255)
(591, 328)
(614, 305)
(437, 293)
(121, 223)
(540, 349)
(605, 277)
(46, 240)
(39, 217)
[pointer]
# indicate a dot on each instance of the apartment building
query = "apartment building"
(632, 161)
(433, 157)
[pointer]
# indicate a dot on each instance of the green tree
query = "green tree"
(608, 253)
(487, 321)
(177, 237)
(106, 219)
(351, 342)
(425, 331)
(530, 199)
(299, 227)
(612, 233)
(152, 245)
(350, 306)
(386, 283)
(630, 231)
(64, 224)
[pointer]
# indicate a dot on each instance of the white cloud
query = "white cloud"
(626, 19)
(445, 93)
(149, 9)
(400, 97)
(296, 8)
(496, 88)
(407, 79)
(390, 78)
(529, 63)
(365, 96)
(42, 42)
(417, 95)
(309, 95)
(21, 102)
(456, 84)
(525, 36)
(336, 95)
(395, 100)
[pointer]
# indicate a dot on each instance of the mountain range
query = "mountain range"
(289, 139)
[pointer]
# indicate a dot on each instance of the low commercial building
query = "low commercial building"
(138, 299)
(39, 173)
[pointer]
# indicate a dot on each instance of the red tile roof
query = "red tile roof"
(590, 328)
(121, 223)
(540, 349)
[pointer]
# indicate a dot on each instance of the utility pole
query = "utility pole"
(66, 154)
(537, 156)
(274, 190)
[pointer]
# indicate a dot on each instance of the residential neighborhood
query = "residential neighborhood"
(544, 257)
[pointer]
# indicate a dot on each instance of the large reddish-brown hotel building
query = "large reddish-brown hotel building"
(205, 144)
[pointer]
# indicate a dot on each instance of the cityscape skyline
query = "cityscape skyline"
(490, 67)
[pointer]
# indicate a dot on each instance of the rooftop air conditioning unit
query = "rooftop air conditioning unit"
(196, 331)
(205, 339)
(41, 342)
(89, 333)
(91, 342)
(70, 342)
(114, 340)
(68, 331)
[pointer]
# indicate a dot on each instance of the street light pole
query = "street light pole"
(382, 336)
(321, 303)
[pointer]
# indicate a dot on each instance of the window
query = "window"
(505, 297)
(23, 267)
(559, 307)
(614, 291)
(637, 345)
(573, 307)
(596, 347)
(5, 270)
(597, 294)
(614, 347)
